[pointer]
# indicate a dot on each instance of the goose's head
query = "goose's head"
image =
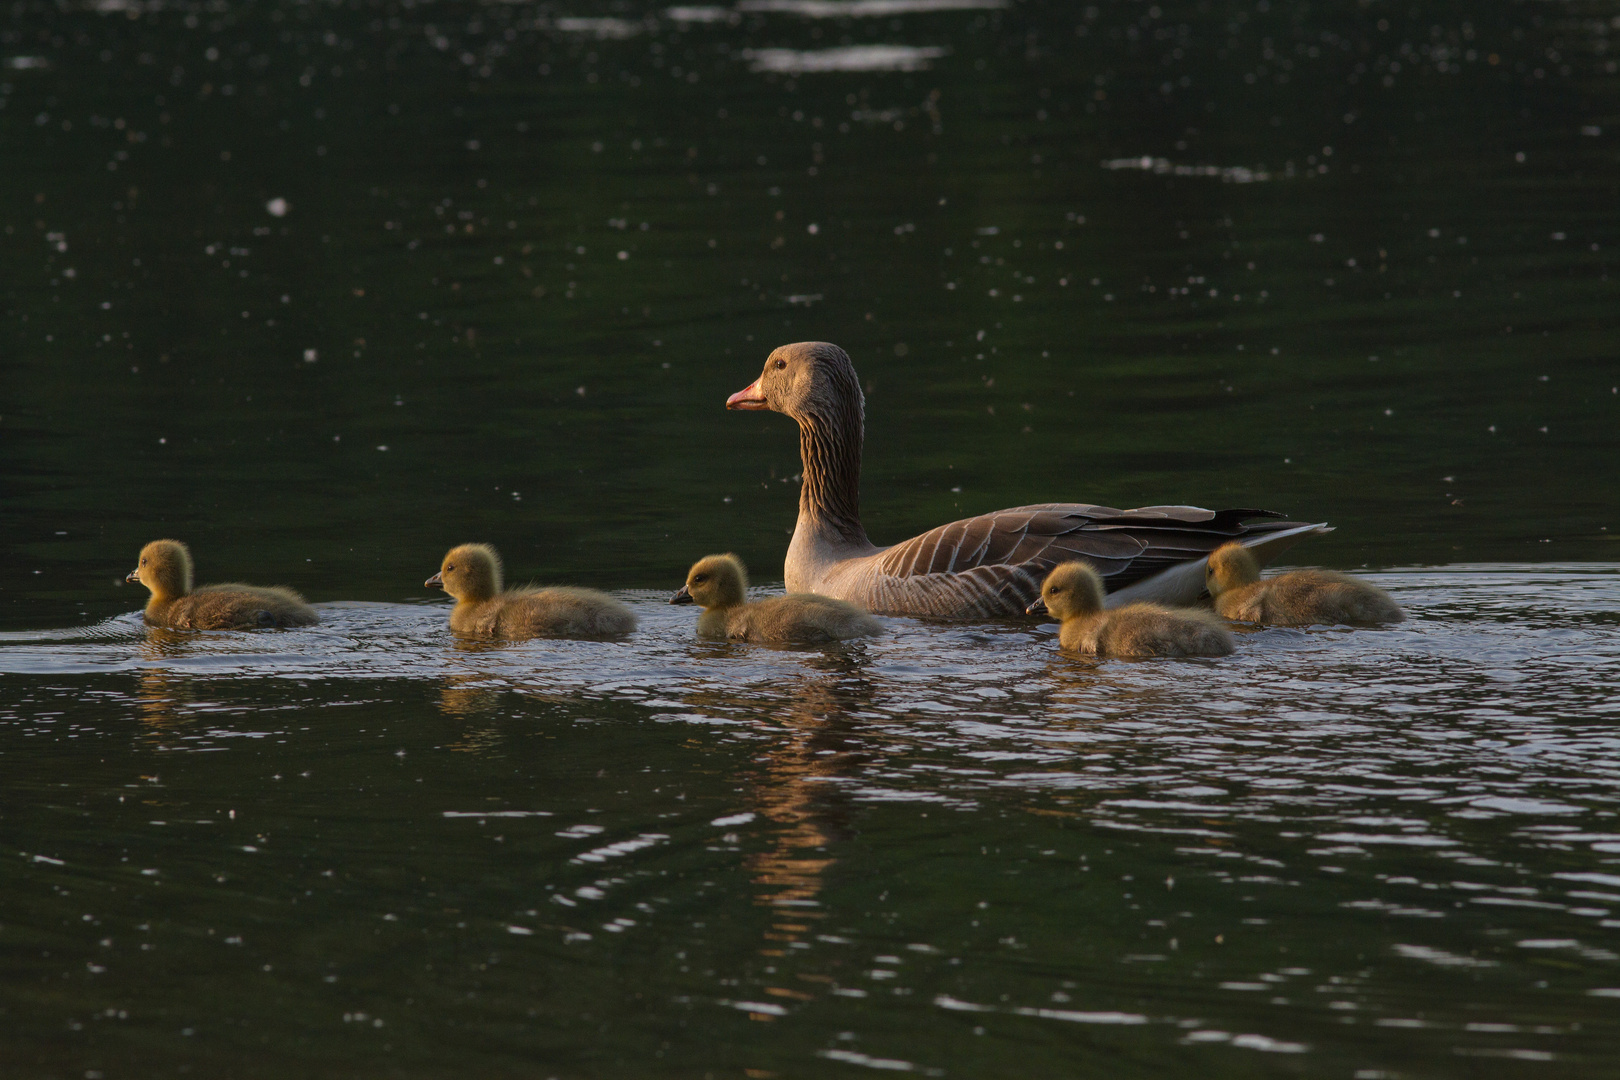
(1072, 588)
(165, 568)
(716, 581)
(805, 379)
(471, 572)
(1230, 566)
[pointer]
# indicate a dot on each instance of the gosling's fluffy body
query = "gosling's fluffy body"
(471, 573)
(719, 583)
(1073, 593)
(166, 569)
(1298, 598)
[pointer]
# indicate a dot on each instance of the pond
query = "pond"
(324, 290)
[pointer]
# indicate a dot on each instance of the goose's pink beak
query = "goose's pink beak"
(751, 399)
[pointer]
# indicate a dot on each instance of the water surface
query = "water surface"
(369, 848)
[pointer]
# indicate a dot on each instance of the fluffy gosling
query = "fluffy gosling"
(1298, 598)
(165, 569)
(471, 574)
(719, 584)
(1073, 593)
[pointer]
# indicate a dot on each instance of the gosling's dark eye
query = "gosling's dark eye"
(449, 568)
(701, 578)
(143, 562)
(781, 364)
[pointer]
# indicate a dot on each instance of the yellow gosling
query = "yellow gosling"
(1073, 594)
(719, 584)
(1298, 598)
(471, 574)
(165, 569)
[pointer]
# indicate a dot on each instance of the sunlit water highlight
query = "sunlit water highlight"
(782, 859)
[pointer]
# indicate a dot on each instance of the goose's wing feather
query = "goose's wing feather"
(994, 563)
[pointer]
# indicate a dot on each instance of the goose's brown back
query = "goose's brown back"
(993, 564)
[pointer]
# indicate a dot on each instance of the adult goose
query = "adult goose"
(980, 567)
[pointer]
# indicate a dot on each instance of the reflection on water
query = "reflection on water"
(471, 692)
(849, 58)
(810, 744)
(1362, 849)
(161, 697)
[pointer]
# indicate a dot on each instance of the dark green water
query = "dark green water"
(1351, 263)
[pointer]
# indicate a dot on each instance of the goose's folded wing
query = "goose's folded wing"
(1010, 551)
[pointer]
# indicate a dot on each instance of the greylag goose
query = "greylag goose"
(719, 584)
(979, 567)
(472, 574)
(1073, 593)
(1298, 598)
(165, 569)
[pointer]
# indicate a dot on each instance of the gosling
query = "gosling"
(471, 574)
(1073, 593)
(165, 568)
(1298, 598)
(719, 584)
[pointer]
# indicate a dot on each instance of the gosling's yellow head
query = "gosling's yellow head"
(471, 572)
(165, 568)
(716, 581)
(1230, 566)
(1072, 588)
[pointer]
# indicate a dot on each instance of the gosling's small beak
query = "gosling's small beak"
(1037, 608)
(751, 399)
(434, 582)
(681, 596)
(134, 575)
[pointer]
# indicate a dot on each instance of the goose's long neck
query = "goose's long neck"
(830, 450)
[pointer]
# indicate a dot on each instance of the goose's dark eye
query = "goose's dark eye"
(449, 568)
(781, 364)
(143, 562)
(701, 578)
